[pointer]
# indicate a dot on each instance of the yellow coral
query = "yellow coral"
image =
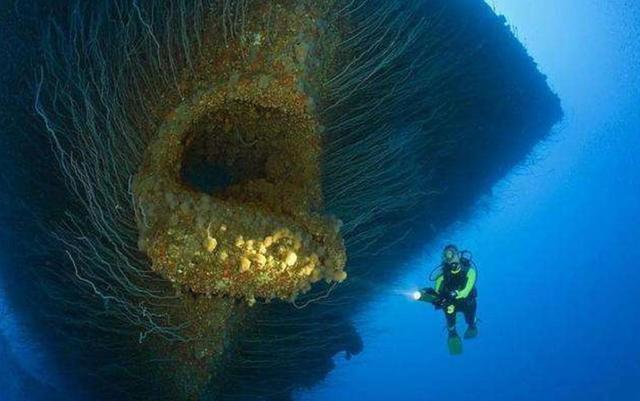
(210, 244)
(291, 258)
(268, 241)
(340, 276)
(260, 259)
(239, 241)
(245, 264)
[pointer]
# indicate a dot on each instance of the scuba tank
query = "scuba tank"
(466, 257)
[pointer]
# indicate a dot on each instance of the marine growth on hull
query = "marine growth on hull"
(225, 153)
(228, 195)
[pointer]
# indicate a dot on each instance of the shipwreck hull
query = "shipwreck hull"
(242, 177)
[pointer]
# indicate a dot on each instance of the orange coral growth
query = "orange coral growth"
(261, 236)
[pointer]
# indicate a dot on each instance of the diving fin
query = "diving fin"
(472, 332)
(455, 344)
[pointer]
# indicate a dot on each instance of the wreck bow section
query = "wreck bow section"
(242, 176)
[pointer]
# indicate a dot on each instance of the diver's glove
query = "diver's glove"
(441, 302)
(448, 297)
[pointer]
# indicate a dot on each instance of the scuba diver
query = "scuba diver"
(454, 291)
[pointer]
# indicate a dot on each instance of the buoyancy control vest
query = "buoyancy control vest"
(457, 281)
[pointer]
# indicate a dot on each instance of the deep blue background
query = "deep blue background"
(555, 244)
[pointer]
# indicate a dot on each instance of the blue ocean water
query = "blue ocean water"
(554, 243)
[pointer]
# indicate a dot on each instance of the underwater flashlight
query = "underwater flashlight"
(417, 295)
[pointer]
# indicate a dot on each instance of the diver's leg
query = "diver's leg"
(469, 311)
(451, 320)
(454, 343)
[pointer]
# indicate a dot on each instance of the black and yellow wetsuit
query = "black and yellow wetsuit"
(458, 287)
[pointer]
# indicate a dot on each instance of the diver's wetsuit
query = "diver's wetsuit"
(463, 282)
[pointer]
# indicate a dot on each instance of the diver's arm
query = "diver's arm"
(471, 281)
(438, 283)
